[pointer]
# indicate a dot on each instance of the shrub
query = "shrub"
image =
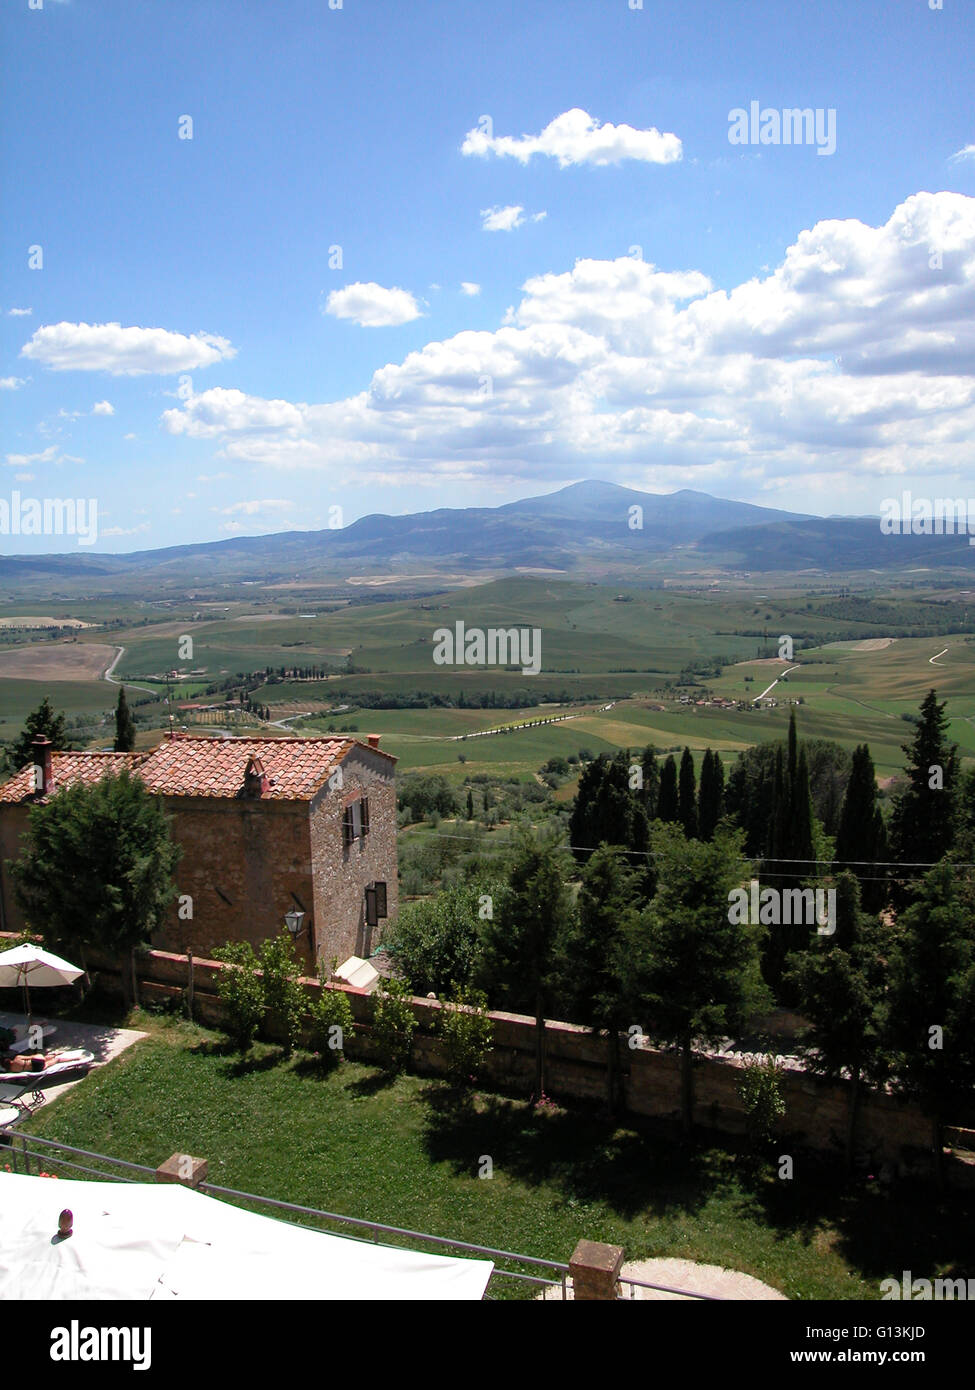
(466, 1031)
(241, 991)
(761, 1092)
(393, 1025)
(331, 1022)
(284, 998)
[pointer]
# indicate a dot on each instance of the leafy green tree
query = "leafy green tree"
(241, 991)
(331, 1021)
(393, 1025)
(760, 1090)
(710, 797)
(841, 984)
(96, 866)
(595, 965)
(124, 725)
(861, 837)
(467, 1031)
(696, 973)
(668, 803)
(520, 947)
(284, 999)
(923, 820)
(470, 804)
(43, 720)
(687, 795)
(436, 940)
(931, 1021)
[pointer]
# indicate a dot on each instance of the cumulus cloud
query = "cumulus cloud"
(373, 306)
(853, 356)
(124, 530)
(108, 347)
(575, 137)
(502, 219)
(469, 287)
(12, 383)
(103, 408)
(20, 313)
(254, 508)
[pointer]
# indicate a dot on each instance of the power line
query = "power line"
(745, 859)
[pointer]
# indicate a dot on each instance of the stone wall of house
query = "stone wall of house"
(13, 823)
(245, 863)
(889, 1128)
(342, 873)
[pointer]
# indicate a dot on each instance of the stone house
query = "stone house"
(266, 825)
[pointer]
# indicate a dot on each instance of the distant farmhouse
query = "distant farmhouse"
(267, 826)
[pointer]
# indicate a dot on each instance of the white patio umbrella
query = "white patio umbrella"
(29, 965)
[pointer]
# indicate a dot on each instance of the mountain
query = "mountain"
(589, 526)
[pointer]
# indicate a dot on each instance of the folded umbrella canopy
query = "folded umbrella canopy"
(29, 965)
(164, 1241)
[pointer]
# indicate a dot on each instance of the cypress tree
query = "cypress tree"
(923, 822)
(687, 796)
(470, 804)
(861, 838)
(710, 797)
(651, 781)
(667, 801)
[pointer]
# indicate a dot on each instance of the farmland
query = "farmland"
(654, 654)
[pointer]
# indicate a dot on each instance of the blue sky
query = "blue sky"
(645, 301)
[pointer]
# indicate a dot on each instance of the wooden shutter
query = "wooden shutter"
(381, 900)
(372, 917)
(365, 815)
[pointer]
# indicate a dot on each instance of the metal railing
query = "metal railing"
(26, 1147)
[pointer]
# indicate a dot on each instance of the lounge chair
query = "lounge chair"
(57, 1063)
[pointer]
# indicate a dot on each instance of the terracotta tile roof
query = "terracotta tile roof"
(68, 767)
(295, 768)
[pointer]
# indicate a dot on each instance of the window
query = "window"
(365, 815)
(348, 826)
(375, 904)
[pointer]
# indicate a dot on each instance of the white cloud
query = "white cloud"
(469, 287)
(854, 356)
(20, 313)
(49, 455)
(966, 152)
(575, 137)
(372, 306)
(211, 477)
(502, 219)
(218, 410)
(12, 383)
(108, 347)
(124, 530)
(103, 408)
(24, 477)
(130, 436)
(254, 508)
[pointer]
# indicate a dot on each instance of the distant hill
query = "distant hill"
(586, 525)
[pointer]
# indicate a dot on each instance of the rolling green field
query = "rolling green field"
(864, 659)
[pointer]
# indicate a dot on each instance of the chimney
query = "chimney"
(43, 764)
(255, 778)
(373, 740)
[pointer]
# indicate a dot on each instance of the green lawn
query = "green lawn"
(405, 1153)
